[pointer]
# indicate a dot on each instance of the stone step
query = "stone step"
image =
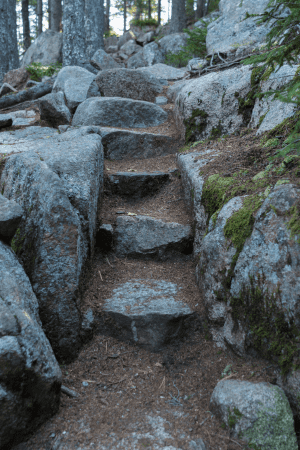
(136, 185)
(124, 144)
(119, 112)
(142, 237)
(147, 312)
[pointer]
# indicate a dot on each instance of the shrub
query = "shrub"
(38, 71)
(283, 46)
(144, 22)
(195, 47)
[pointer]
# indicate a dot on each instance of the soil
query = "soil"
(124, 384)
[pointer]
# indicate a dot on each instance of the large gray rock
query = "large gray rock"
(150, 313)
(153, 54)
(119, 112)
(130, 47)
(267, 113)
(136, 61)
(54, 110)
(124, 144)
(129, 35)
(59, 185)
(6, 120)
(10, 216)
(133, 84)
(165, 72)
(30, 377)
(259, 413)
(174, 90)
(102, 61)
(46, 49)
(210, 105)
(136, 185)
(143, 236)
(173, 43)
(190, 166)
(77, 84)
(230, 31)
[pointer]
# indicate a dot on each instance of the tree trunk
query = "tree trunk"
(94, 26)
(138, 11)
(149, 9)
(200, 9)
(40, 16)
(26, 25)
(4, 50)
(49, 14)
(74, 32)
(125, 15)
(178, 19)
(56, 15)
(12, 33)
(207, 7)
(159, 12)
(107, 13)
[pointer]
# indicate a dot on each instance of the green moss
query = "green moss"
(214, 192)
(246, 104)
(240, 225)
(294, 223)
(216, 132)
(274, 427)
(195, 125)
(234, 416)
(263, 317)
(17, 241)
(280, 182)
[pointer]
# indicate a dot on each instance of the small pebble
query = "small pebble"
(85, 383)
(120, 212)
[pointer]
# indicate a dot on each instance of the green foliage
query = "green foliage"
(110, 32)
(294, 223)
(38, 71)
(213, 6)
(144, 22)
(283, 30)
(195, 47)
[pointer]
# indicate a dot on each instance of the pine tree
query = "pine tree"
(178, 19)
(283, 46)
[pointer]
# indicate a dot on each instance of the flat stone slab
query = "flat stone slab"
(143, 236)
(19, 136)
(10, 216)
(119, 112)
(161, 100)
(165, 72)
(149, 312)
(137, 185)
(124, 144)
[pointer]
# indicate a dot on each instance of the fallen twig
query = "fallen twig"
(203, 421)
(69, 392)
(100, 275)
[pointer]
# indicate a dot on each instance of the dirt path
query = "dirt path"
(129, 397)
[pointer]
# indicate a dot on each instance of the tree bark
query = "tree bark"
(49, 14)
(207, 7)
(12, 33)
(26, 25)
(125, 15)
(94, 26)
(107, 13)
(200, 11)
(178, 19)
(159, 12)
(149, 9)
(40, 16)
(74, 32)
(4, 50)
(56, 15)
